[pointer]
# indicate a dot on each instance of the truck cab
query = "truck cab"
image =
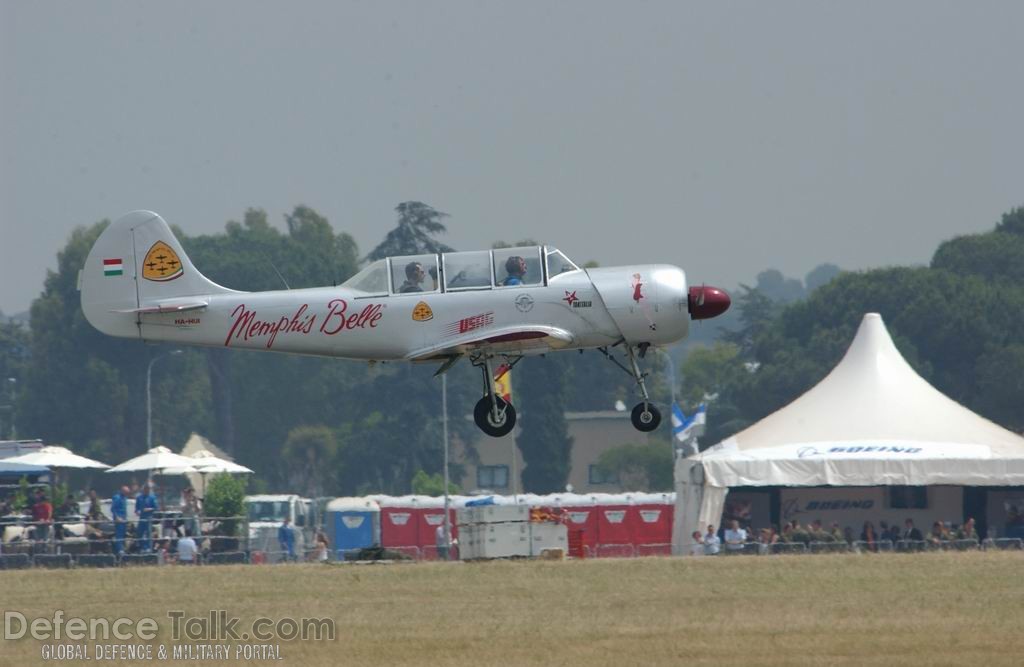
(266, 514)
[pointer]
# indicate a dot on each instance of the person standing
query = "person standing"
(697, 546)
(145, 507)
(911, 533)
(439, 541)
(322, 546)
(42, 516)
(712, 545)
(735, 538)
(967, 531)
(286, 538)
(119, 513)
(190, 511)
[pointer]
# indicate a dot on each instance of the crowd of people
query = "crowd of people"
(735, 538)
(34, 526)
(142, 531)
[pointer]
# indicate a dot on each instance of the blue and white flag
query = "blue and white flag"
(683, 426)
(678, 422)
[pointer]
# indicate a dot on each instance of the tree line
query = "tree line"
(330, 426)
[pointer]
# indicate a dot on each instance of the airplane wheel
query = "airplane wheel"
(483, 419)
(646, 417)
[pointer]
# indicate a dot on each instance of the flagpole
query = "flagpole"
(670, 362)
(444, 430)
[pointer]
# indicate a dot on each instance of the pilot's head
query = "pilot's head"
(515, 266)
(414, 272)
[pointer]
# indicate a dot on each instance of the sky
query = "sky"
(723, 137)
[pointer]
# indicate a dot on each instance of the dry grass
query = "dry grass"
(945, 608)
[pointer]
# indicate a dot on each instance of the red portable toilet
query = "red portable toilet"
(651, 522)
(614, 525)
(398, 525)
(409, 523)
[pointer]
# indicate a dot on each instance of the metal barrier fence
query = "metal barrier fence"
(654, 550)
(74, 540)
(614, 551)
(881, 546)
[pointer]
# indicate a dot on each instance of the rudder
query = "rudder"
(137, 265)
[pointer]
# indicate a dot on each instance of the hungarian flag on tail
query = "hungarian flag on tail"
(113, 267)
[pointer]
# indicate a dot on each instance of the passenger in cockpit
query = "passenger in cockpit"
(414, 276)
(515, 267)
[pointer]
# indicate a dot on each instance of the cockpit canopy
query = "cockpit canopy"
(527, 266)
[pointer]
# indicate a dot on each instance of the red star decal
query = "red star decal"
(570, 297)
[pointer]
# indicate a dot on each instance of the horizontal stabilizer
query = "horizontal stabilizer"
(169, 306)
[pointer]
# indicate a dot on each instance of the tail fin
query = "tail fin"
(138, 266)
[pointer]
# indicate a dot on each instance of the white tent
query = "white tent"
(873, 421)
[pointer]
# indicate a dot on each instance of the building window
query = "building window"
(908, 497)
(492, 477)
(597, 475)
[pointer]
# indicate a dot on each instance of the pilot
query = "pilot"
(515, 267)
(414, 276)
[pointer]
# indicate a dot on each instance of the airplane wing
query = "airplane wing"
(518, 339)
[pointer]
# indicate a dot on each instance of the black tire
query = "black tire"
(482, 417)
(646, 417)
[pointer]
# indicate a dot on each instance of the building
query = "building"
(498, 466)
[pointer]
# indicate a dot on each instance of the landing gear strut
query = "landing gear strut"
(645, 416)
(492, 414)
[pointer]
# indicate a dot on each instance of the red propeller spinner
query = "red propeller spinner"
(706, 302)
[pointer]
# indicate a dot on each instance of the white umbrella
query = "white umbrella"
(57, 457)
(159, 459)
(205, 462)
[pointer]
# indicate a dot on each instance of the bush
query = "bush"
(225, 497)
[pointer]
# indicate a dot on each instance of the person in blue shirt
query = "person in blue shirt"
(145, 506)
(119, 512)
(286, 537)
(515, 267)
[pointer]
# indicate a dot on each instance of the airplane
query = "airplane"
(486, 305)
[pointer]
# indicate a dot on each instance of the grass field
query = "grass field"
(942, 608)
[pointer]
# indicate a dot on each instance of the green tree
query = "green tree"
(15, 341)
(309, 457)
(544, 437)
(431, 485)
(82, 388)
(778, 287)
(640, 467)
(820, 275)
(417, 222)
(225, 497)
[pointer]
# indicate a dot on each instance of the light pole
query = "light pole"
(149, 396)
(671, 363)
(444, 431)
(14, 399)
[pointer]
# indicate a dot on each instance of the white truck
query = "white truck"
(266, 513)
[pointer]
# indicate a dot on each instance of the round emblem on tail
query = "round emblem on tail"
(161, 263)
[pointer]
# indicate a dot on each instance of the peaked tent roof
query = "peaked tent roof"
(873, 420)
